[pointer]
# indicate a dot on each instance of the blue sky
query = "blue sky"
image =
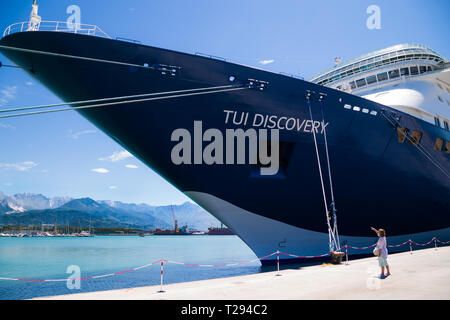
(55, 154)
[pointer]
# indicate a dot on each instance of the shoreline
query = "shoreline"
(423, 275)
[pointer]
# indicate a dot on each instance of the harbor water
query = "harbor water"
(49, 258)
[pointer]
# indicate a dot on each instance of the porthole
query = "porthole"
(232, 78)
(347, 106)
(415, 138)
(438, 144)
(365, 110)
(402, 133)
(355, 108)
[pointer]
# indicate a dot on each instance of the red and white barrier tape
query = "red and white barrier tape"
(217, 265)
(401, 244)
(360, 248)
(85, 278)
(422, 244)
(306, 257)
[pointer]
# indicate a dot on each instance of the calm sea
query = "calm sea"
(48, 258)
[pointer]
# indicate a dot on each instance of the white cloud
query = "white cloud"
(131, 166)
(6, 126)
(112, 187)
(267, 61)
(7, 93)
(117, 156)
(29, 83)
(100, 170)
(76, 135)
(20, 166)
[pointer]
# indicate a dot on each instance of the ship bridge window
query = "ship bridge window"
(414, 70)
(446, 125)
(352, 85)
(447, 147)
(437, 122)
(382, 76)
(371, 79)
(429, 69)
(404, 71)
(423, 69)
(361, 82)
(394, 74)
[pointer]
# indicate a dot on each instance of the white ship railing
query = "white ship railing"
(57, 26)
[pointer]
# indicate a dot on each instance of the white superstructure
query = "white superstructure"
(407, 77)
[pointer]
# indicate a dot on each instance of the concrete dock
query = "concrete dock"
(424, 274)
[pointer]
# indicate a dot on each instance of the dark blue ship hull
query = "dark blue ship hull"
(377, 180)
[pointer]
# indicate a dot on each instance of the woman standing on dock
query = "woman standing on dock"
(382, 251)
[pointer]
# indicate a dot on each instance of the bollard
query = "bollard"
(162, 267)
(410, 246)
(278, 263)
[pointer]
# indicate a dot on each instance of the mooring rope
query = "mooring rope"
(331, 234)
(75, 57)
(121, 102)
(333, 203)
(419, 147)
(114, 98)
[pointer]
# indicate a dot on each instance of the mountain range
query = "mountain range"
(34, 209)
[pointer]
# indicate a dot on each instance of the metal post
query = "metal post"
(162, 263)
(410, 246)
(278, 263)
(346, 255)
(435, 243)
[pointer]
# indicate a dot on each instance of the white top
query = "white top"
(382, 245)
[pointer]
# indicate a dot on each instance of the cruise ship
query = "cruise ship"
(366, 143)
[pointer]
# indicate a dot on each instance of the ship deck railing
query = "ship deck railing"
(57, 26)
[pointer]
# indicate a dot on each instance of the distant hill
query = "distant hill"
(21, 202)
(34, 209)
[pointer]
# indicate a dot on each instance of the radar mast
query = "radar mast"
(35, 19)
